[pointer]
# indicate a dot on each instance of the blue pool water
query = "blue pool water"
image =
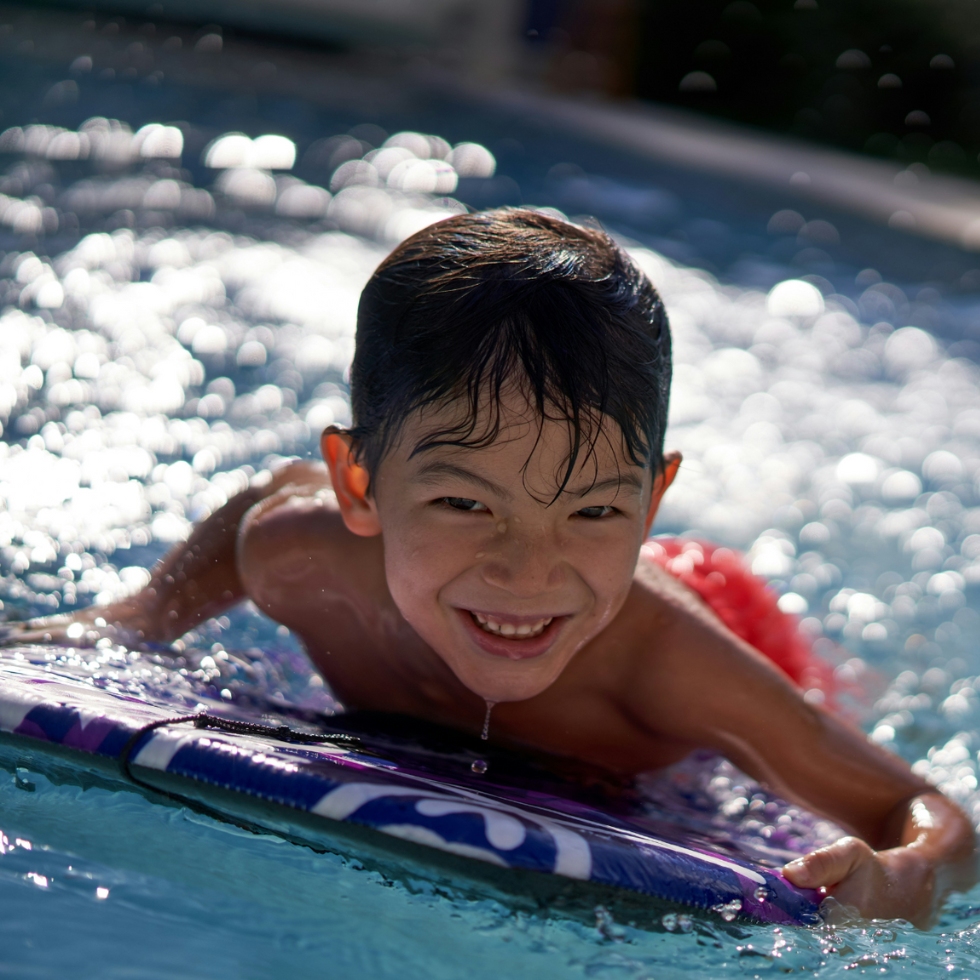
(186, 896)
(169, 329)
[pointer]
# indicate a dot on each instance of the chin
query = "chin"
(510, 683)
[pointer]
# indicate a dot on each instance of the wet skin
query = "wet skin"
(456, 576)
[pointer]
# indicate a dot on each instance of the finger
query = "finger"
(24, 637)
(21, 631)
(829, 865)
(11, 633)
(31, 631)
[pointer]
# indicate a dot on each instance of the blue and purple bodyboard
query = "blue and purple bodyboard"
(391, 786)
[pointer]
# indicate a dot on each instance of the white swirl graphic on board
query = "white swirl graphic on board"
(504, 830)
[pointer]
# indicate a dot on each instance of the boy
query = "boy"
(474, 538)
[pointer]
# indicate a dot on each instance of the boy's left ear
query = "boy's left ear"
(663, 479)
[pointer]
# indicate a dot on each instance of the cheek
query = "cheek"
(608, 566)
(419, 561)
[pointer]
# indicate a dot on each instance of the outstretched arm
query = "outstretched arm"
(198, 579)
(911, 845)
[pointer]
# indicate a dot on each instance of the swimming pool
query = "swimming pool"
(166, 334)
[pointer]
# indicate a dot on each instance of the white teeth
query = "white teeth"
(524, 631)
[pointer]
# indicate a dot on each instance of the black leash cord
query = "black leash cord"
(281, 733)
(137, 736)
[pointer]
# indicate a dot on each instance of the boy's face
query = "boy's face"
(504, 584)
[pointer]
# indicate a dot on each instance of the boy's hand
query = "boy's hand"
(897, 883)
(82, 629)
(937, 852)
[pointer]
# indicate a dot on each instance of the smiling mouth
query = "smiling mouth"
(512, 631)
(512, 637)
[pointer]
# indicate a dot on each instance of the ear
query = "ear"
(672, 463)
(350, 483)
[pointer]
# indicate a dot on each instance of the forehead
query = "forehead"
(510, 434)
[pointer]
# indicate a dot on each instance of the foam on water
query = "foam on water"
(147, 376)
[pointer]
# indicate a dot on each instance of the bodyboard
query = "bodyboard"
(399, 780)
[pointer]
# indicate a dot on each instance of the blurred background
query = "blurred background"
(896, 80)
(733, 91)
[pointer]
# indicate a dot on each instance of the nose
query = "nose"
(525, 561)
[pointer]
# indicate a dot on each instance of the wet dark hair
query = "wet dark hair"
(474, 303)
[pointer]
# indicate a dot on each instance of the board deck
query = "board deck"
(399, 780)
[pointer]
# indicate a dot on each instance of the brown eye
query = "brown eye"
(594, 513)
(464, 504)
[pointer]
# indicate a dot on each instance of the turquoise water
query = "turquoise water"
(168, 330)
(188, 897)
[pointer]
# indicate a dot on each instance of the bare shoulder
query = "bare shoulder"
(680, 667)
(293, 496)
(300, 477)
(293, 543)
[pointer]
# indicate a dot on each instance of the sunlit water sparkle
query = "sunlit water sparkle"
(147, 376)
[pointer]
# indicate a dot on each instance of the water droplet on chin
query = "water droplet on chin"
(479, 766)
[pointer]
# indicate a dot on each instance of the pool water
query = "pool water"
(186, 896)
(168, 330)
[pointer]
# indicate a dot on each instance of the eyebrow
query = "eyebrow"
(630, 480)
(437, 468)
